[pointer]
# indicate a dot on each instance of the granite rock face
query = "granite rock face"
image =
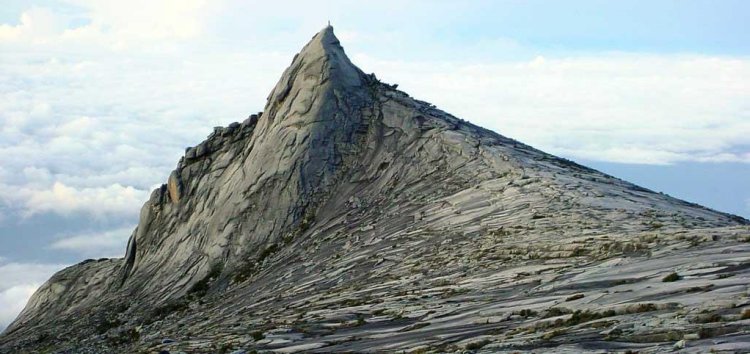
(348, 216)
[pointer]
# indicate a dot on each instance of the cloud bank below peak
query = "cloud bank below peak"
(93, 132)
(18, 281)
(98, 99)
(614, 107)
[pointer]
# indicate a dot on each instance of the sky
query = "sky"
(98, 99)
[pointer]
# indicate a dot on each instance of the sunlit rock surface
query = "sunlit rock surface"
(351, 217)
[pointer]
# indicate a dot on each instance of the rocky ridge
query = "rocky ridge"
(349, 216)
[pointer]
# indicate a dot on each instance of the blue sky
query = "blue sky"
(99, 98)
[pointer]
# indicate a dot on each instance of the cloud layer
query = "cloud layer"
(95, 133)
(18, 281)
(628, 108)
(96, 244)
(98, 99)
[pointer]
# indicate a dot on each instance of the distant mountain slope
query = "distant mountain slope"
(349, 216)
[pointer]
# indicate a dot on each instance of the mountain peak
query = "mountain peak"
(322, 44)
(348, 202)
(327, 38)
(321, 62)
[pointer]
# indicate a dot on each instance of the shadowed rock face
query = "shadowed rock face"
(349, 216)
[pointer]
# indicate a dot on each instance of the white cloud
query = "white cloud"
(95, 134)
(98, 101)
(98, 244)
(93, 131)
(114, 24)
(18, 281)
(149, 19)
(36, 24)
(631, 108)
(13, 300)
(65, 200)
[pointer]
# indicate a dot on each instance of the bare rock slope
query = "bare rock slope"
(349, 216)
